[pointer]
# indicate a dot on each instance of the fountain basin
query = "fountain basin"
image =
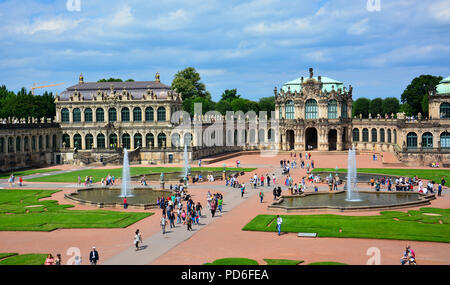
(178, 176)
(143, 198)
(370, 200)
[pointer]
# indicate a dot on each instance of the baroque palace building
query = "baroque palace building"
(95, 121)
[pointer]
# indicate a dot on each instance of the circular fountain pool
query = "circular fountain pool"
(143, 198)
(369, 200)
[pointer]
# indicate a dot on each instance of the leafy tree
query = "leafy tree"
(187, 82)
(376, 107)
(361, 106)
(230, 95)
(407, 109)
(112, 80)
(391, 105)
(223, 106)
(267, 104)
(244, 105)
(416, 90)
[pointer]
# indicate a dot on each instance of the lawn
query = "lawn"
(21, 210)
(428, 224)
(247, 261)
(428, 174)
(17, 174)
(24, 259)
(98, 174)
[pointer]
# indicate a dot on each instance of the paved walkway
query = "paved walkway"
(158, 244)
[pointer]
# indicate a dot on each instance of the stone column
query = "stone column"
(339, 145)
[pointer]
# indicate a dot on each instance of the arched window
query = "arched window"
(77, 141)
(65, 141)
(188, 139)
(26, 144)
(270, 135)
(382, 136)
(445, 110)
(99, 115)
(112, 115)
(175, 140)
(445, 140)
(389, 136)
(113, 141)
(365, 135)
(137, 140)
(374, 135)
(411, 140)
(89, 141)
(88, 115)
(40, 144)
(161, 114)
(125, 115)
(149, 114)
(76, 115)
(311, 109)
(289, 109)
(150, 140)
(10, 145)
(137, 114)
(126, 142)
(427, 140)
(53, 141)
(356, 135)
(332, 109)
(280, 109)
(344, 112)
(18, 144)
(47, 141)
(252, 137)
(162, 140)
(395, 136)
(2, 145)
(65, 115)
(101, 141)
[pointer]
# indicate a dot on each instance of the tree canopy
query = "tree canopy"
(114, 80)
(365, 106)
(416, 94)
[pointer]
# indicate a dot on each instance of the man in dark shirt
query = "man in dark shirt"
(93, 256)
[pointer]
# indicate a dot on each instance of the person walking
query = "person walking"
(213, 208)
(163, 223)
(242, 190)
(58, 260)
(137, 239)
(189, 222)
(439, 190)
(93, 256)
(219, 204)
(125, 203)
(261, 196)
(279, 222)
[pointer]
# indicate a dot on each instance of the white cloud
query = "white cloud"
(211, 72)
(359, 27)
(440, 11)
(123, 17)
(57, 26)
(317, 56)
(171, 21)
(291, 25)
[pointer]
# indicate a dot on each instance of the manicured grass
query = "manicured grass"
(282, 261)
(5, 255)
(233, 261)
(25, 259)
(98, 174)
(429, 174)
(414, 225)
(48, 215)
(17, 174)
(327, 263)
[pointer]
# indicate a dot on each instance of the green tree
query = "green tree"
(407, 109)
(361, 106)
(416, 90)
(376, 107)
(391, 105)
(244, 105)
(267, 104)
(230, 95)
(187, 82)
(223, 106)
(112, 80)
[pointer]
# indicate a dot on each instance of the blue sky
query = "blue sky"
(249, 45)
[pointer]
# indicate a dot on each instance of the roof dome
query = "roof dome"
(444, 86)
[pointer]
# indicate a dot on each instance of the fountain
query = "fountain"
(126, 189)
(352, 181)
(186, 165)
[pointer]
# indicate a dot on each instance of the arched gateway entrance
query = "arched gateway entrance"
(332, 139)
(311, 138)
